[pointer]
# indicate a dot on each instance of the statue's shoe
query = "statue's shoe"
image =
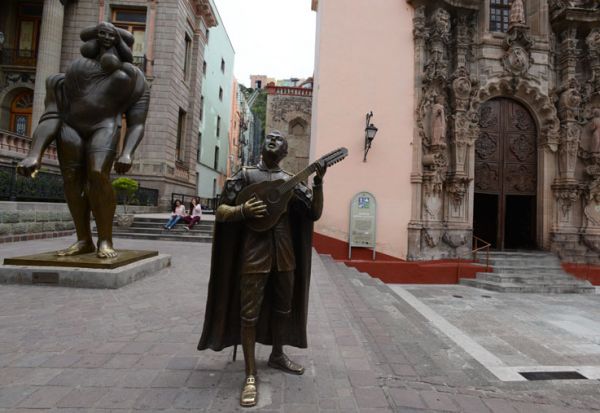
(249, 395)
(282, 362)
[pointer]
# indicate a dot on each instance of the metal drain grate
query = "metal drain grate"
(552, 375)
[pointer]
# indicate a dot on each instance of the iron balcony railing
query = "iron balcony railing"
(18, 57)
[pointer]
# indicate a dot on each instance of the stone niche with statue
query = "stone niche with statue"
(507, 129)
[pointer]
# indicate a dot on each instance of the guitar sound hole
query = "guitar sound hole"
(273, 197)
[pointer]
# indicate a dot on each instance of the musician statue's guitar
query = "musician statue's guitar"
(277, 194)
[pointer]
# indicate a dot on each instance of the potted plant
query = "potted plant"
(125, 189)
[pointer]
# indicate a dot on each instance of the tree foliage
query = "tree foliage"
(126, 189)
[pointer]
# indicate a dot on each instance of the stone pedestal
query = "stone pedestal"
(83, 271)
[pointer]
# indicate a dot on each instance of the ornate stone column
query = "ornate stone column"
(49, 51)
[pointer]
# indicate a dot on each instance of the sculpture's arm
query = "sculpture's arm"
(317, 203)
(122, 46)
(136, 119)
(45, 132)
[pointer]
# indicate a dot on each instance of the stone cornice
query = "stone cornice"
(203, 9)
(566, 16)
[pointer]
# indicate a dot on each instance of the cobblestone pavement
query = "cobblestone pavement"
(134, 349)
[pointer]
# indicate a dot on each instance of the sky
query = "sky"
(275, 38)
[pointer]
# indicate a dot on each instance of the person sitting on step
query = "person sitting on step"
(177, 213)
(195, 216)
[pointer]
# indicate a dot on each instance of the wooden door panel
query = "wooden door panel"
(505, 155)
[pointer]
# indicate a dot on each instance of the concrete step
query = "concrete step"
(204, 225)
(533, 279)
(520, 253)
(527, 288)
(165, 236)
(542, 269)
(519, 261)
(158, 230)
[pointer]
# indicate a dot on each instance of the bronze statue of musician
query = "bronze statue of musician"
(260, 273)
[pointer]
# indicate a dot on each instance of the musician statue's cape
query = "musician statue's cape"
(222, 317)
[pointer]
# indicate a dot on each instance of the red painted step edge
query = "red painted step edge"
(390, 269)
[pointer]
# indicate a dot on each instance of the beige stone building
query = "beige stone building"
(41, 37)
(289, 111)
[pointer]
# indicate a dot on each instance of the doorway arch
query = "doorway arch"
(20, 113)
(505, 199)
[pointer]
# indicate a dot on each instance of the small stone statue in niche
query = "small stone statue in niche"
(592, 209)
(438, 122)
(516, 16)
(594, 126)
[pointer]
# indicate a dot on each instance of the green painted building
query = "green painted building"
(216, 107)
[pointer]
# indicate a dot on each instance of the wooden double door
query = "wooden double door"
(504, 212)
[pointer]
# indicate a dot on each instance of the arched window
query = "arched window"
(20, 113)
(297, 127)
(499, 11)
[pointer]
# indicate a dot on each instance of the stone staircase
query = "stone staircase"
(528, 272)
(153, 229)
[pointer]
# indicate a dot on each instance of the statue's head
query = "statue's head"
(104, 36)
(275, 146)
(107, 34)
(596, 112)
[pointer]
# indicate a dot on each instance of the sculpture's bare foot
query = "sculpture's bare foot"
(105, 249)
(80, 247)
(249, 395)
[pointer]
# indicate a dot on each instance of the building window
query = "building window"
(204, 68)
(188, 57)
(220, 93)
(258, 84)
(134, 21)
(28, 30)
(180, 134)
(201, 108)
(222, 65)
(218, 126)
(499, 11)
(199, 150)
(216, 165)
(207, 33)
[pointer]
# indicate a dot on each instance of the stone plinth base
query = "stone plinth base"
(47, 269)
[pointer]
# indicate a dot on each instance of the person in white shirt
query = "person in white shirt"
(195, 216)
(177, 213)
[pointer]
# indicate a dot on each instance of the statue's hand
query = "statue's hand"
(28, 166)
(123, 164)
(321, 170)
(254, 208)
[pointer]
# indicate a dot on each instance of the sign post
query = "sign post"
(363, 222)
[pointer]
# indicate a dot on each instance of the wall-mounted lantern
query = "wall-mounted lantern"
(370, 132)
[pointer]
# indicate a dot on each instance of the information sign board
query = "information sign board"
(363, 222)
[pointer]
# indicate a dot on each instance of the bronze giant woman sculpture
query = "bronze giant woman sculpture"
(84, 109)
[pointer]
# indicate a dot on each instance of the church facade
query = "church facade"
(492, 136)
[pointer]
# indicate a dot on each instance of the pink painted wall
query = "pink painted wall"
(365, 61)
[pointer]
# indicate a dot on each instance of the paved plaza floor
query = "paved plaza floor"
(372, 349)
